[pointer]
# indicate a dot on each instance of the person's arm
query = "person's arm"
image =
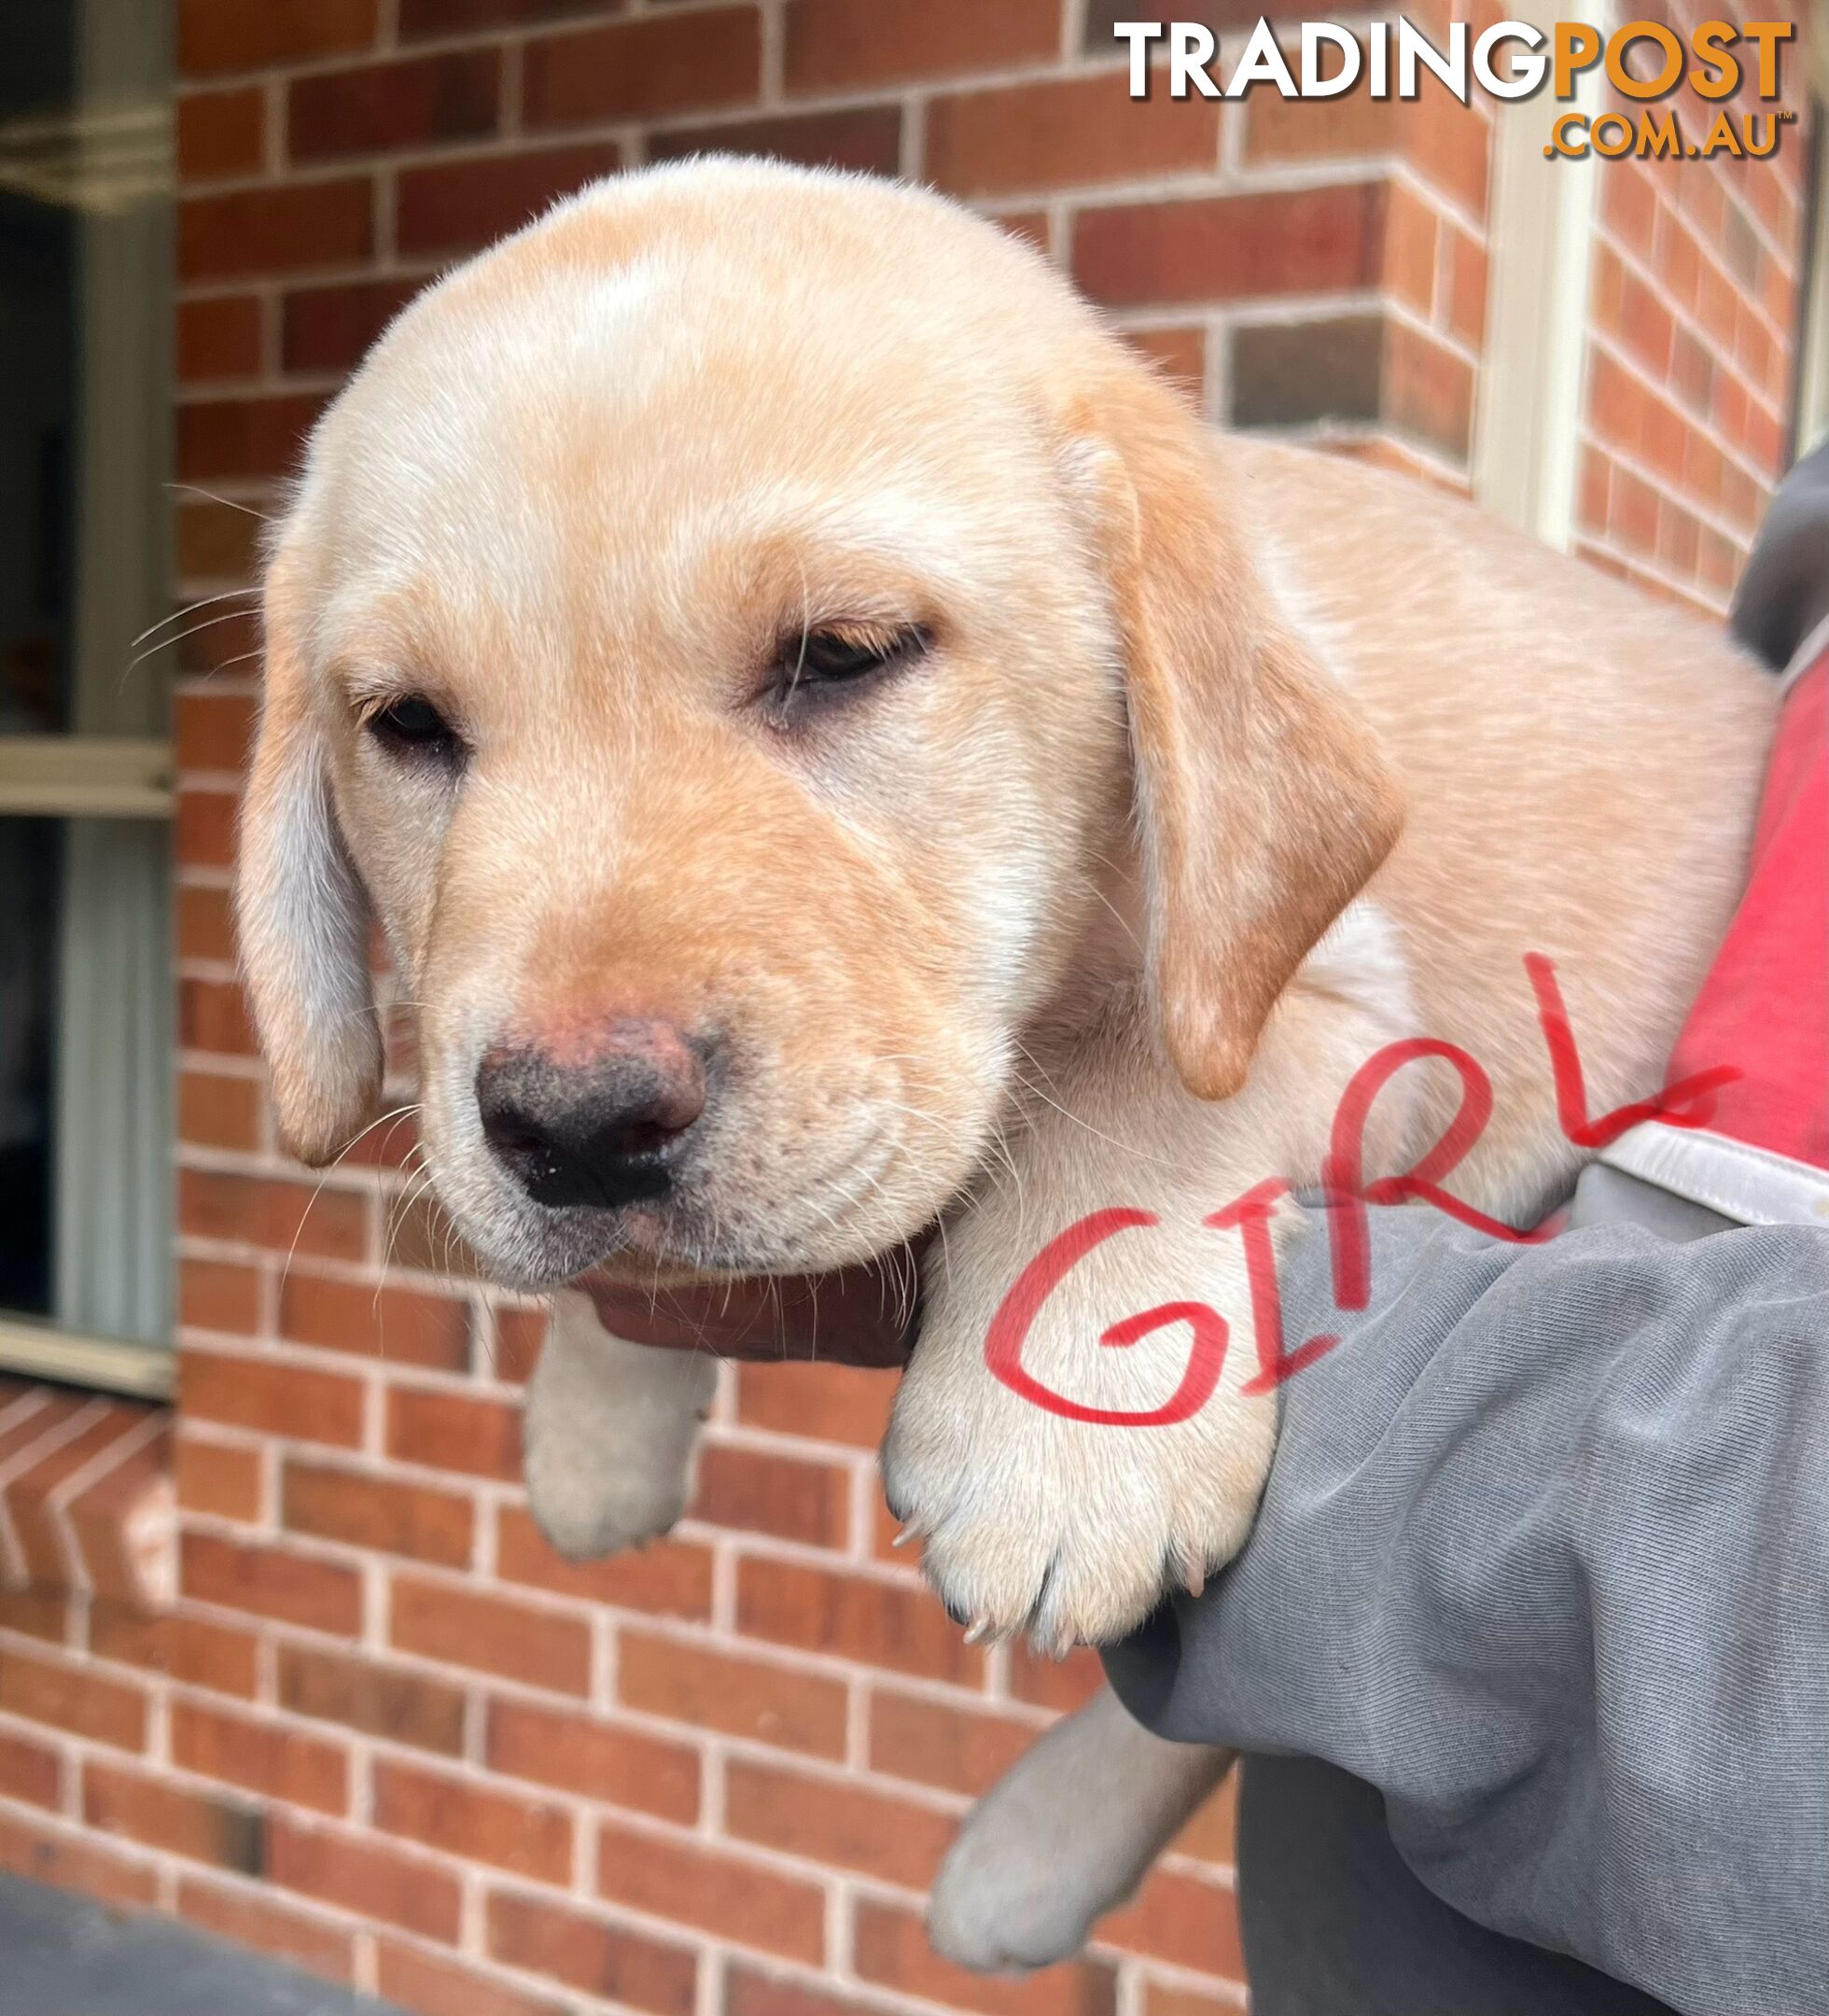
(1544, 1556)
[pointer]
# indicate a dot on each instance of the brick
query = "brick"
(420, 1981)
(221, 134)
(836, 1821)
(729, 1895)
(69, 1697)
(30, 1423)
(240, 437)
(845, 1404)
(205, 838)
(398, 1325)
(1065, 132)
(666, 1577)
(295, 228)
(382, 1515)
(37, 1525)
(866, 138)
(291, 1589)
(1429, 391)
(1356, 126)
(260, 1756)
(380, 1701)
(459, 17)
(1234, 248)
(1289, 373)
(616, 1767)
(483, 1825)
(331, 329)
(29, 1771)
(68, 1863)
(1183, 1919)
(218, 1479)
(840, 45)
(216, 1111)
(879, 1623)
(583, 1953)
(518, 1336)
(271, 1396)
(204, 928)
(218, 1294)
(1063, 1685)
(1161, 1999)
(225, 640)
(363, 1876)
(41, 1614)
(230, 35)
(491, 1634)
(213, 731)
(159, 1814)
(446, 1431)
(644, 69)
(267, 1927)
(195, 1650)
(1098, 39)
(739, 1696)
(890, 1949)
(421, 102)
(749, 1993)
(283, 1217)
(211, 1014)
(1179, 354)
(1469, 274)
(124, 1526)
(450, 207)
(934, 1744)
(44, 1614)
(756, 1491)
(214, 542)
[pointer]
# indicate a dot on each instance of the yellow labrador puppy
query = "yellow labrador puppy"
(836, 749)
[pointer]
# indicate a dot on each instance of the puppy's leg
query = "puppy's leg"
(612, 1429)
(1089, 1415)
(1065, 1837)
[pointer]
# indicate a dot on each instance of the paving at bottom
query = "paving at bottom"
(61, 1956)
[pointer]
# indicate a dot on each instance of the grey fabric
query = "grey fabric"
(1544, 1561)
(1784, 592)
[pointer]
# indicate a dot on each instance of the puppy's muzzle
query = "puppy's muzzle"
(601, 1130)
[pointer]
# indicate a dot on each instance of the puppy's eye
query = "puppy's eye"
(412, 726)
(844, 655)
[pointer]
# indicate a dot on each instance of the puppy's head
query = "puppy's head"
(723, 637)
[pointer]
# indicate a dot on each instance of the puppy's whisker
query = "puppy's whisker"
(229, 595)
(212, 496)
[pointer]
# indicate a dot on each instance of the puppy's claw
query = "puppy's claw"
(1193, 1579)
(905, 1535)
(977, 1630)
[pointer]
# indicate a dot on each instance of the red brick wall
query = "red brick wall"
(1698, 267)
(387, 1732)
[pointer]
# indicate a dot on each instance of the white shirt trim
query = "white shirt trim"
(1804, 657)
(1750, 1185)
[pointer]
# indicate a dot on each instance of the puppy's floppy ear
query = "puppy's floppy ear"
(1264, 803)
(300, 911)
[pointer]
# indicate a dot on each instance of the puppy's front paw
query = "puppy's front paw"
(611, 1431)
(1066, 1527)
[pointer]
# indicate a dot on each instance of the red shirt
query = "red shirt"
(1764, 1158)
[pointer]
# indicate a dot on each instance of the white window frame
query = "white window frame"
(1527, 440)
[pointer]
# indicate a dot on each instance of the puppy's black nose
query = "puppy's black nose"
(603, 1125)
